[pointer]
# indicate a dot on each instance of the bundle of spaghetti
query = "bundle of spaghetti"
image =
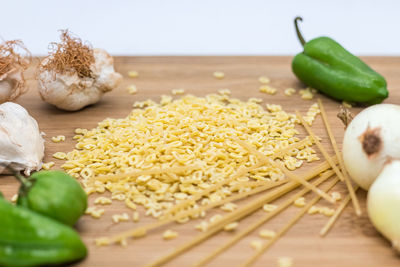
(287, 226)
(242, 171)
(262, 157)
(237, 237)
(349, 186)
(239, 214)
(139, 232)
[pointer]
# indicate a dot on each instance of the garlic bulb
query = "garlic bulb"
(370, 139)
(383, 202)
(71, 92)
(21, 143)
(12, 65)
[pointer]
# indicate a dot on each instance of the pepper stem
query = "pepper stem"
(299, 35)
(25, 183)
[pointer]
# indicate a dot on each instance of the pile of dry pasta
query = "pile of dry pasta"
(190, 132)
(181, 157)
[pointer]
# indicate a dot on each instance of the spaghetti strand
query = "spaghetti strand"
(349, 186)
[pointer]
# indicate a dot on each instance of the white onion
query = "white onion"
(384, 202)
(370, 139)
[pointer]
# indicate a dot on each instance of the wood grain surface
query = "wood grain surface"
(352, 242)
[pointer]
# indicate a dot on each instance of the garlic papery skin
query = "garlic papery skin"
(370, 139)
(21, 143)
(12, 84)
(71, 92)
(383, 202)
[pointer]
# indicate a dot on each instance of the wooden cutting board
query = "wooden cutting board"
(352, 242)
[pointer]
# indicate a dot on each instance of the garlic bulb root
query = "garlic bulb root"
(370, 139)
(21, 143)
(383, 202)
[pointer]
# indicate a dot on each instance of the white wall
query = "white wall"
(204, 27)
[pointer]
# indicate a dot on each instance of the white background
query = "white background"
(204, 27)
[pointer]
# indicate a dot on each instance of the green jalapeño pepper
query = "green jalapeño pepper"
(30, 239)
(326, 66)
(54, 194)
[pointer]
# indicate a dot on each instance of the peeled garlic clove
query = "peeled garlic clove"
(11, 84)
(103, 68)
(71, 92)
(371, 137)
(21, 143)
(383, 202)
